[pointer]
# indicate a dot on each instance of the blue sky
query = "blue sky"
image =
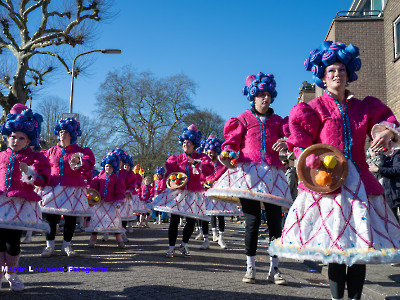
(217, 43)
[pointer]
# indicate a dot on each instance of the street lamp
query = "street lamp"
(106, 51)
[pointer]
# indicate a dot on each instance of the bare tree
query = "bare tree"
(52, 109)
(208, 122)
(144, 113)
(34, 29)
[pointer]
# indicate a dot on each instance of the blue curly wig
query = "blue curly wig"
(72, 126)
(121, 154)
(111, 159)
(260, 83)
(129, 161)
(213, 143)
(160, 170)
(192, 134)
(200, 149)
(329, 53)
(24, 120)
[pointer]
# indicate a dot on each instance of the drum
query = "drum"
(322, 168)
(176, 180)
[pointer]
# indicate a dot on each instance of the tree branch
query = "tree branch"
(6, 82)
(39, 76)
(55, 55)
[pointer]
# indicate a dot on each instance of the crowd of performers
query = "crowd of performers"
(346, 228)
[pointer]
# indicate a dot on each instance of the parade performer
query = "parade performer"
(65, 194)
(106, 215)
(189, 200)
(353, 225)
(21, 170)
(127, 213)
(159, 185)
(146, 194)
(138, 206)
(259, 175)
(215, 208)
(129, 178)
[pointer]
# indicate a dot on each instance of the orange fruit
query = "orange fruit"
(323, 178)
(172, 177)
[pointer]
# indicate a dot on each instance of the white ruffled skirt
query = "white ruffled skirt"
(346, 228)
(127, 213)
(255, 181)
(139, 206)
(221, 208)
(21, 214)
(182, 202)
(64, 200)
(106, 217)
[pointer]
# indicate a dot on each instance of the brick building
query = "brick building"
(374, 27)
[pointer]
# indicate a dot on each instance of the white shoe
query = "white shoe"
(199, 236)
(67, 251)
(184, 250)
(105, 237)
(15, 283)
(48, 251)
(250, 276)
(221, 243)
(205, 245)
(215, 238)
(170, 253)
(277, 278)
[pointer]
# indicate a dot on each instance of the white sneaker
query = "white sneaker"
(15, 283)
(105, 237)
(250, 276)
(68, 251)
(277, 278)
(205, 245)
(215, 238)
(48, 251)
(184, 250)
(170, 253)
(199, 236)
(221, 243)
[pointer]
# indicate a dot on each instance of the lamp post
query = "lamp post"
(107, 51)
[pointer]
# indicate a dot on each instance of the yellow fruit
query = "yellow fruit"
(225, 154)
(323, 178)
(330, 161)
(96, 199)
(179, 176)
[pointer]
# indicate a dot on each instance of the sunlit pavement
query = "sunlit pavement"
(141, 270)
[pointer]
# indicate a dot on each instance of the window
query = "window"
(396, 31)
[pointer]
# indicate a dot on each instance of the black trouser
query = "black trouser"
(252, 216)
(221, 223)
(204, 227)
(354, 277)
(173, 229)
(124, 223)
(10, 241)
(69, 226)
